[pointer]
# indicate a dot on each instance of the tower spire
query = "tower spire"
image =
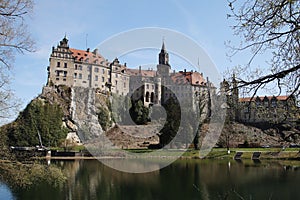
(163, 55)
(163, 44)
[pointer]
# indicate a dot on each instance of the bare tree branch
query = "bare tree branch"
(270, 26)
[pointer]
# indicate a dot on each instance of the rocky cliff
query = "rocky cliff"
(71, 116)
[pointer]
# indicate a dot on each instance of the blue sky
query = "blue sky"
(203, 21)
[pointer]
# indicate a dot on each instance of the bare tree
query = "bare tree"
(14, 38)
(270, 27)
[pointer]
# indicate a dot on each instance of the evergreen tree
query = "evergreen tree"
(38, 118)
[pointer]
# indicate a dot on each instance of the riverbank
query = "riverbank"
(247, 153)
(215, 153)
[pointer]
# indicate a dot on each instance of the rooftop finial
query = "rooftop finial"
(163, 44)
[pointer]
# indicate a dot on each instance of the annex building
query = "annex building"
(259, 109)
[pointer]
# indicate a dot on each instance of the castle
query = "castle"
(85, 68)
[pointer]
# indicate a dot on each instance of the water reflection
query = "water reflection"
(184, 179)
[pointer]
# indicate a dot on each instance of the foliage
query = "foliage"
(269, 27)
(172, 124)
(104, 118)
(38, 117)
(139, 113)
(5, 153)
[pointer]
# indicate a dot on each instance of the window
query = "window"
(65, 74)
(75, 75)
(102, 79)
(65, 65)
(116, 83)
(124, 85)
(258, 103)
(80, 76)
(58, 64)
(147, 96)
(116, 75)
(274, 103)
(103, 71)
(96, 69)
(147, 86)
(96, 78)
(89, 77)
(76, 67)
(89, 68)
(80, 67)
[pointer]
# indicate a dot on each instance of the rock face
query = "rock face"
(84, 113)
(133, 137)
(276, 136)
(81, 107)
(73, 138)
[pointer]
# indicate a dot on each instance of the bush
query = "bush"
(104, 118)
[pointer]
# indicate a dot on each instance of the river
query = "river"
(184, 179)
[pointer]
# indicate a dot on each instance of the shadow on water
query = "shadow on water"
(184, 179)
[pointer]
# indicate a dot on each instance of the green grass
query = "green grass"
(73, 148)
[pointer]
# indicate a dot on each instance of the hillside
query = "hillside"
(66, 116)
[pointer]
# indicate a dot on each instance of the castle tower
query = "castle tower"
(61, 68)
(163, 66)
(163, 56)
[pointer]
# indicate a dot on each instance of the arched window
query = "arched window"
(147, 96)
(152, 97)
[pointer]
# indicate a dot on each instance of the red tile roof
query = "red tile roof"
(84, 55)
(193, 78)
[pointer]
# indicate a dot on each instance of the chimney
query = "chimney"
(140, 69)
(88, 50)
(95, 51)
